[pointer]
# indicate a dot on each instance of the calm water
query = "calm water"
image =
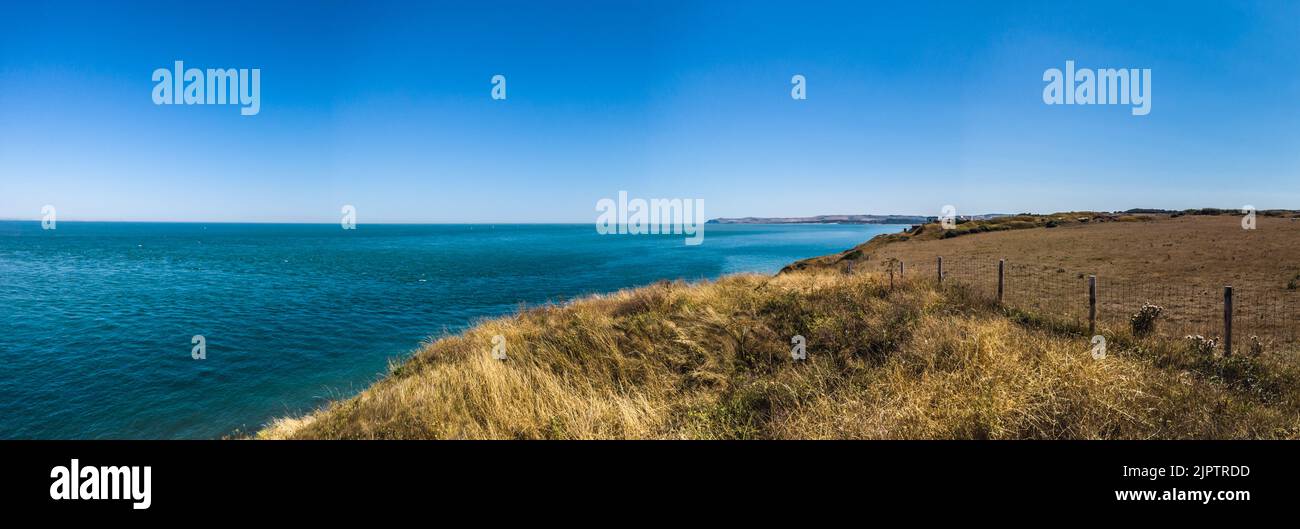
(97, 317)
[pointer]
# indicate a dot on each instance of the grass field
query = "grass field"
(1180, 264)
(901, 359)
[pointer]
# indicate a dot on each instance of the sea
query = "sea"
(99, 321)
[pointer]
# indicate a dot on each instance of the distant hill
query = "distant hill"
(846, 219)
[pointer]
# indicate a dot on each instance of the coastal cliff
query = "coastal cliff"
(901, 359)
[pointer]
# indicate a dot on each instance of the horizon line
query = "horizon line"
(959, 215)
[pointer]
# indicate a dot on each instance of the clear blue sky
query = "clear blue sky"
(387, 107)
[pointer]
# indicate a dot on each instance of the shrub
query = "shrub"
(1202, 345)
(1256, 347)
(1144, 321)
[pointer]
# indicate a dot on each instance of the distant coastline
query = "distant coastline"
(846, 219)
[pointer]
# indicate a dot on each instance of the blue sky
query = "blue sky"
(387, 107)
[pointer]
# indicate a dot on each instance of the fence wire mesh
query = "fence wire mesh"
(1262, 317)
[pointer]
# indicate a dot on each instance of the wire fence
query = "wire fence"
(1255, 317)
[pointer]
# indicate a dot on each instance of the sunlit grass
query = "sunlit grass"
(712, 361)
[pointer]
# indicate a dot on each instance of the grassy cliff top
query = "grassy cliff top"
(713, 361)
(1101, 234)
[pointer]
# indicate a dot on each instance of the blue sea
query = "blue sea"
(97, 318)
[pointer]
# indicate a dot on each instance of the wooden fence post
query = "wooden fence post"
(901, 270)
(1227, 320)
(1092, 306)
(941, 269)
(1002, 263)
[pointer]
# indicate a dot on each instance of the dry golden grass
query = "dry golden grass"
(1180, 263)
(712, 361)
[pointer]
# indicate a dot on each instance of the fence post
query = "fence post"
(1001, 278)
(1092, 305)
(941, 269)
(1227, 320)
(900, 270)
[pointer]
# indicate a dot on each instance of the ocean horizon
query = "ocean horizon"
(96, 342)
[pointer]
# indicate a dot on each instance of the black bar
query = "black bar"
(243, 478)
